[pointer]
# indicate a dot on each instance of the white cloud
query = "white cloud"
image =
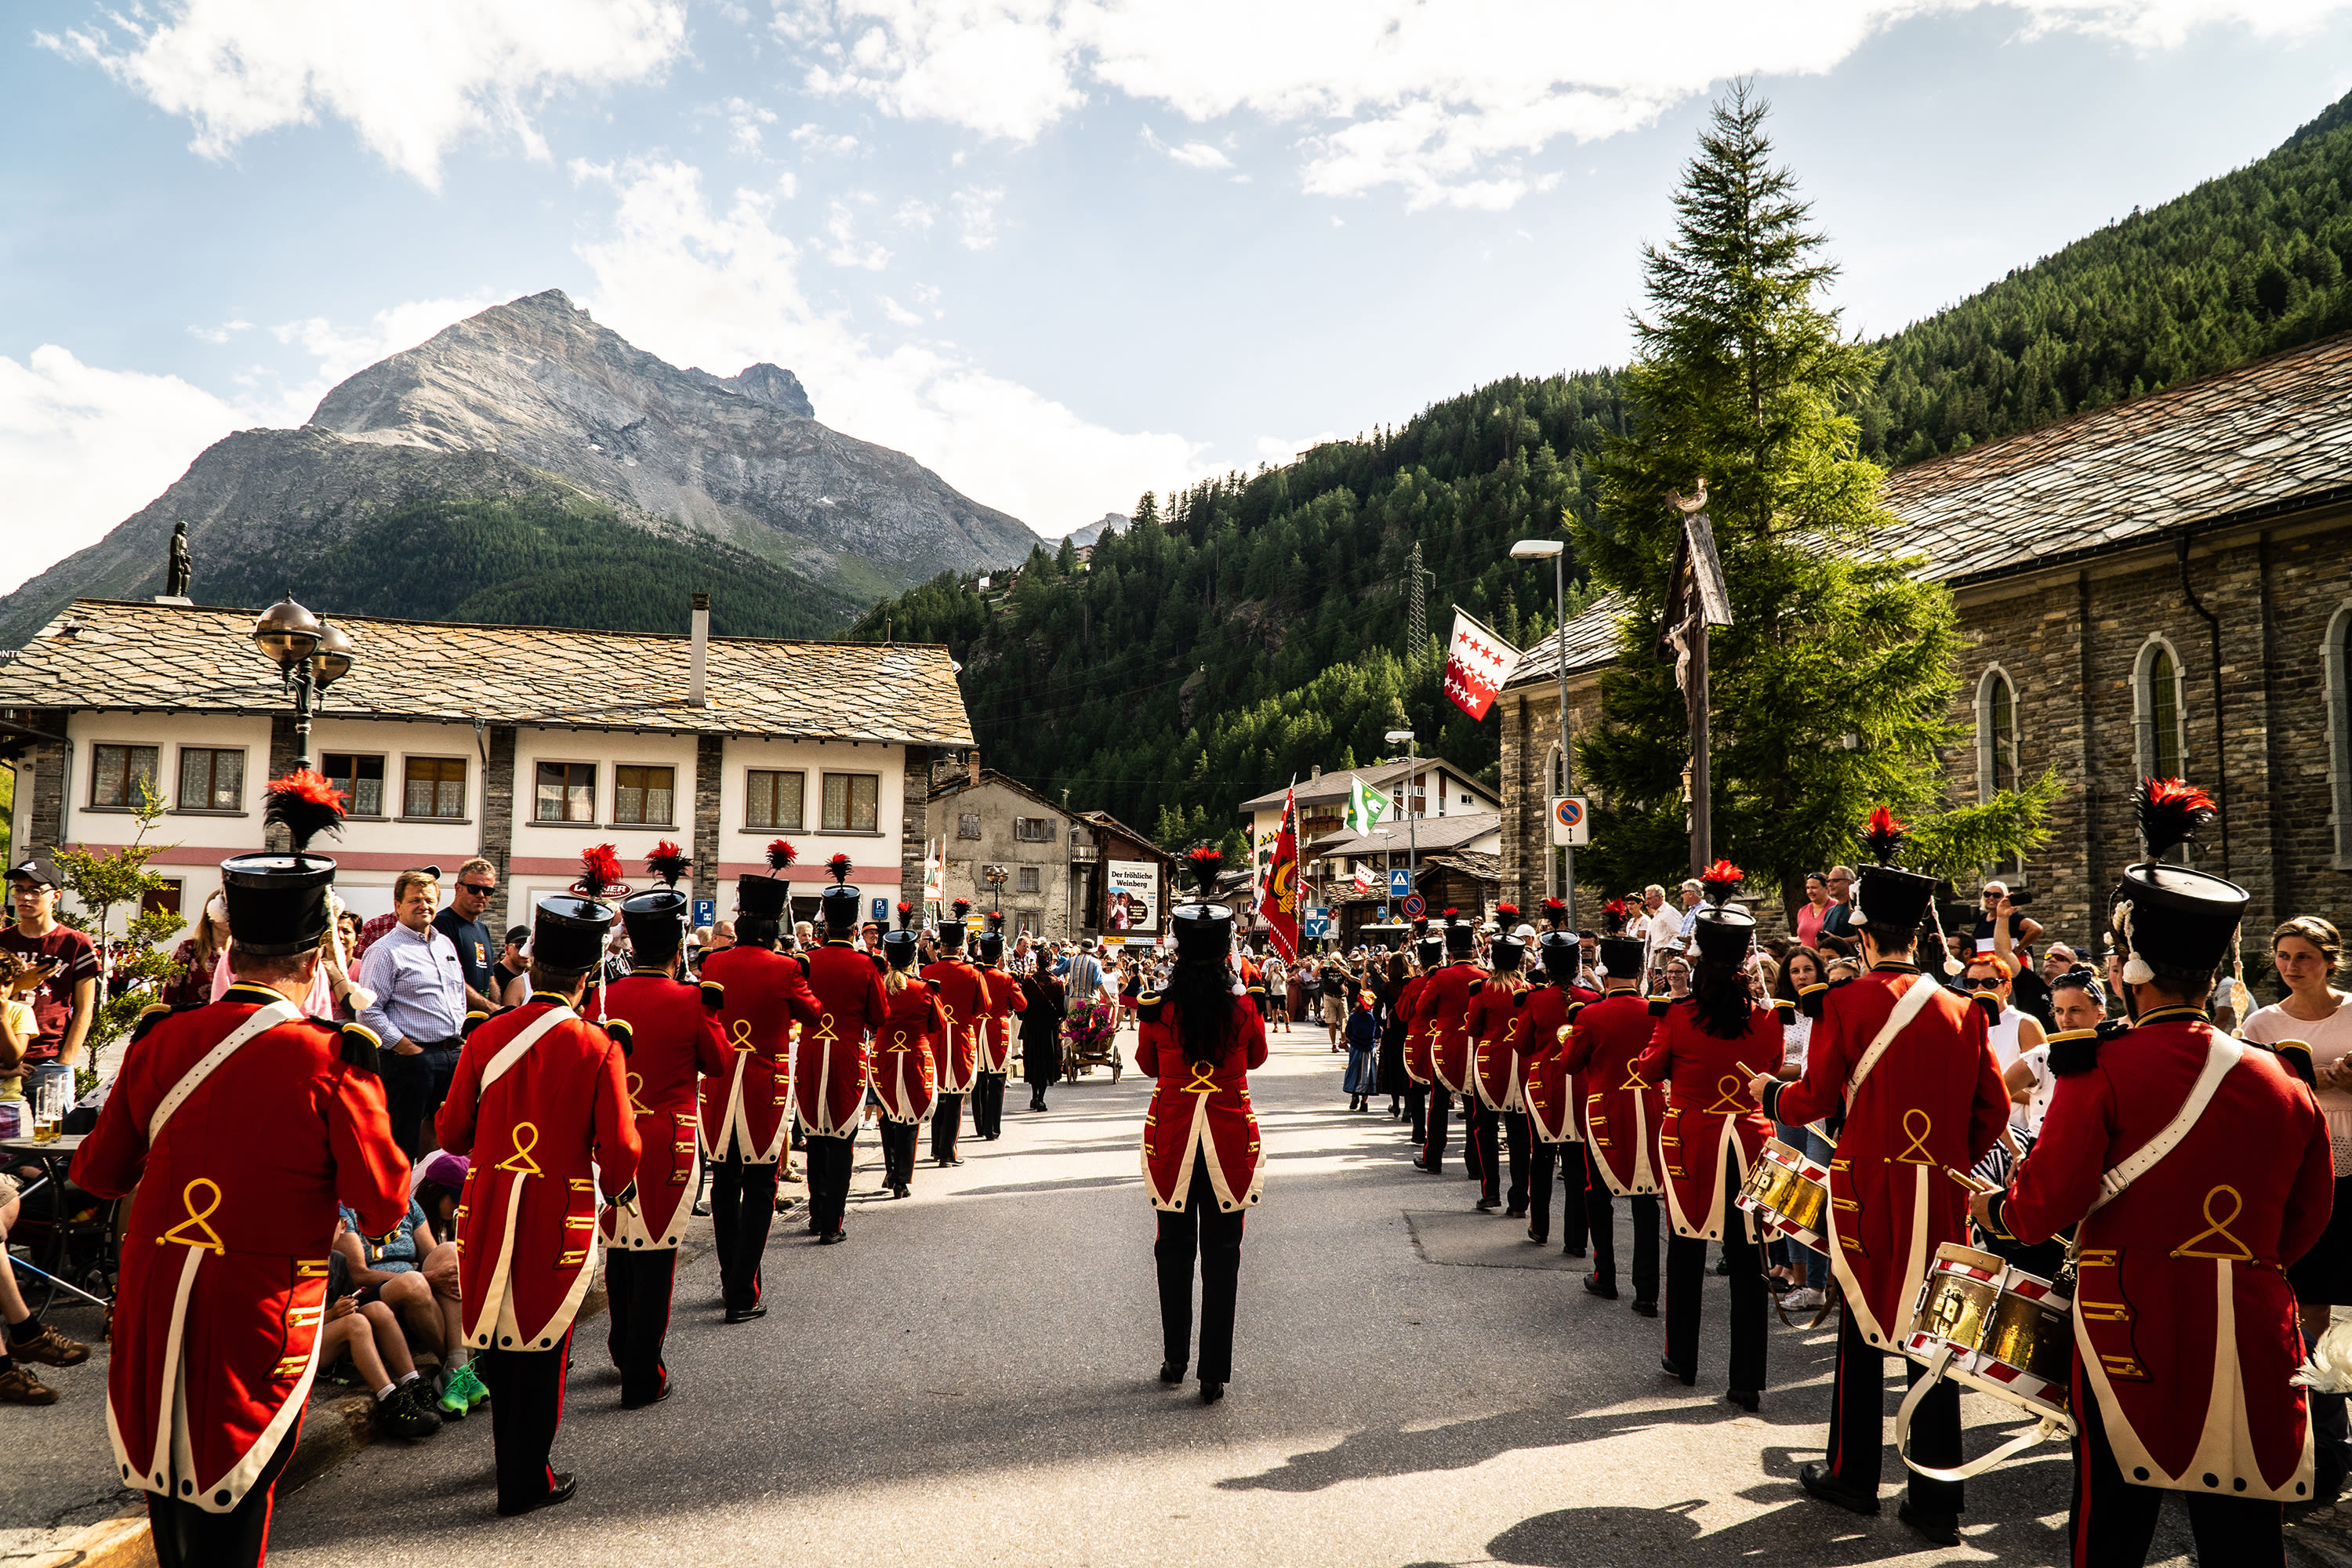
(916, 214)
(816, 138)
(221, 333)
(339, 352)
(848, 251)
(1191, 155)
(977, 212)
(1442, 100)
(1279, 449)
(698, 285)
(898, 313)
(411, 80)
(746, 119)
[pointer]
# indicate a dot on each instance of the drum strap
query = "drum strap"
(1907, 1006)
(2220, 1058)
(2041, 1431)
(512, 1051)
(264, 1019)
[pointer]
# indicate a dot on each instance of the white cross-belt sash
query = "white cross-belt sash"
(1907, 1006)
(263, 1020)
(513, 1050)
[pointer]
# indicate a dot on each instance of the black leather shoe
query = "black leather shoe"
(565, 1485)
(1666, 1364)
(1518, 1212)
(1212, 1391)
(1645, 1309)
(667, 1384)
(1488, 1206)
(745, 1314)
(1567, 1251)
(1943, 1529)
(1745, 1398)
(1818, 1480)
(1172, 1371)
(1604, 1289)
(830, 1237)
(1420, 1165)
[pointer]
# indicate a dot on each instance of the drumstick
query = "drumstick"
(1971, 1182)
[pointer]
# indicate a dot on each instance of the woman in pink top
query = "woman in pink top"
(1813, 910)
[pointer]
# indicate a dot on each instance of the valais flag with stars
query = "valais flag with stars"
(1477, 663)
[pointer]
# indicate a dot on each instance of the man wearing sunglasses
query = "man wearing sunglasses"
(1988, 974)
(462, 923)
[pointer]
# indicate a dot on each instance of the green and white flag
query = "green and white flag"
(1367, 808)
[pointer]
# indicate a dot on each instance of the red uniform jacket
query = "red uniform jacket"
(1445, 1003)
(1542, 1045)
(224, 1276)
(1495, 1027)
(2184, 1326)
(1416, 1028)
(833, 1066)
(1934, 1099)
(906, 1074)
(1710, 1116)
(1201, 1112)
(963, 997)
(1620, 1112)
(541, 1129)
(765, 1010)
(673, 1045)
(1002, 1000)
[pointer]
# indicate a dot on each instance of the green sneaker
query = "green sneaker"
(461, 1392)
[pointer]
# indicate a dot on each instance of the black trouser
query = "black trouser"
(186, 1536)
(526, 1408)
(1416, 1105)
(988, 1104)
(1204, 1229)
(742, 1202)
(1479, 1147)
(897, 1153)
(637, 1283)
(1516, 1141)
(947, 1121)
(1858, 1425)
(1568, 1158)
(1440, 1116)
(414, 1088)
(829, 1163)
(2114, 1521)
(1598, 1203)
(1687, 1295)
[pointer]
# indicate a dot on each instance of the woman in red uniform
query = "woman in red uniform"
(906, 1075)
(1705, 1049)
(1199, 1038)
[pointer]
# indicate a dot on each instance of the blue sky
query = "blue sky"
(1060, 251)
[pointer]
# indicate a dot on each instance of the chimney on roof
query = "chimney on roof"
(1314, 773)
(972, 758)
(694, 683)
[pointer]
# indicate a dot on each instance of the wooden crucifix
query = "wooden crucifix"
(1696, 600)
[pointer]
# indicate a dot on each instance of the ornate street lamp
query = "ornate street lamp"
(310, 656)
(995, 876)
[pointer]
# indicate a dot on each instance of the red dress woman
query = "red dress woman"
(1705, 1049)
(1199, 1038)
(906, 1073)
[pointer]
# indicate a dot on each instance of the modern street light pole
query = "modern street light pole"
(310, 656)
(1536, 550)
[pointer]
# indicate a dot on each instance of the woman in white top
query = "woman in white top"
(2307, 953)
(1801, 967)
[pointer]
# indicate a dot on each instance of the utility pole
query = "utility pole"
(1417, 614)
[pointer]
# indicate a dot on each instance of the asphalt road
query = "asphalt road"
(970, 1379)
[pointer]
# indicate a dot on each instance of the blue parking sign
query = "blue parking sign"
(706, 912)
(1399, 881)
(882, 911)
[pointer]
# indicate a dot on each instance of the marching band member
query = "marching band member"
(765, 1006)
(1201, 1162)
(1704, 1049)
(2199, 1168)
(1908, 1062)
(833, 1064)
(1618, 1115)
(1546, 1088)
(906, 1074)
(222, 1281)
(1425, 950)
(1494, 1026)
(963, 997)
(541, 1106)
(1444, 1007)
(669, 1032)
(1000, 1000)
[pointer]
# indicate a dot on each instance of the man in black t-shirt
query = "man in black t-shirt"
(461, 923)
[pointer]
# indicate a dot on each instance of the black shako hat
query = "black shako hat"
(277, 903)
(991, 942)
(1621, 956)
(1885, 895)
(1724, 934)
(1560, 949)
(1203, 929)
(841, 901)
(1461, 935)
(1506, 950)
(2171, 917)
(762, 897)
(952, 929)
(567, 932)
(902, 946)
(655, 922)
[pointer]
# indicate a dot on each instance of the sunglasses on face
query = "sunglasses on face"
(483, 887)
(1984, 983)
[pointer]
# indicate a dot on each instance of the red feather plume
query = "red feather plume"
(1555, 912)
(1613, 916)
(905, 915)
(1718, 883)
(780, 854)
(1884, 836)
(962, 907)
(1506, 914)
(2170, 813)
(1204, 862)
(668, 863)
(600, 871)
(840, 867)
(305, 805)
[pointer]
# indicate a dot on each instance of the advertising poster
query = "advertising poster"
(1131, 898)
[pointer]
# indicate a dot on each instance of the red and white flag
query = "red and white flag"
(1363, 881)
(1278, 900)
(1477, 663)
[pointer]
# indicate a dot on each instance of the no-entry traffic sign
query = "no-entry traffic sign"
(1413, 906)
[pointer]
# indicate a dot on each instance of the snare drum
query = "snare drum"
(1789, 1194)
(1987, 1323)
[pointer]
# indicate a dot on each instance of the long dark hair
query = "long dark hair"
(1719, 992)
(1785, 987)
(1202, 995)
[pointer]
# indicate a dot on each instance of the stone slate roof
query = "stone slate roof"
(1386, 777)
(123, 654)
(1429, 833)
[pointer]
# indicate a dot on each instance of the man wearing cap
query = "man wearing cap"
(419, 1010)
(835, 1066)
(540, 1107)
(1617, 1113)
(671, 1034)
(963, 995)
(765, 1011)
(1444, 1008)
(1000, 1001)
(67, 998)
(1907, 1062)
(223, 1259)
(2199, 1169)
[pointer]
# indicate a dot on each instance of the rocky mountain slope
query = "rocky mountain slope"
(534, 406)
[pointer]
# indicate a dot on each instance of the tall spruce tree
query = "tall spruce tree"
(1831, 687)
